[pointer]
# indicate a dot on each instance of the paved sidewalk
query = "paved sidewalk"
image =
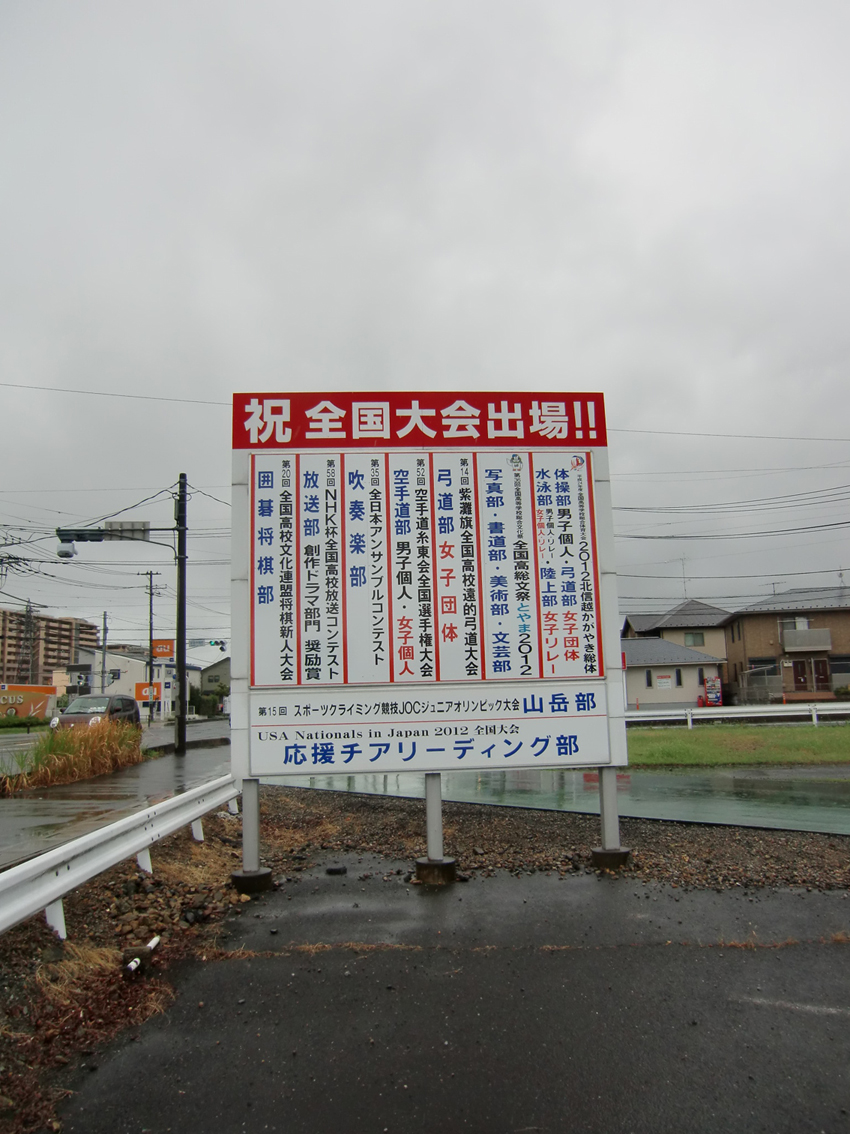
(502, 1005)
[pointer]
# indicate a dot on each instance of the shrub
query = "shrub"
(67, 754)
(22, 722)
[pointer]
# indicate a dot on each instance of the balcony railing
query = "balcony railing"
(800, 641)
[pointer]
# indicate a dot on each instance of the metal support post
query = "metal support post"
(610, 855)
(252, 877)
(689, 713)
(434, 815)
(143, 860)
(435, 868)
(608, 811)
(250, 826)
(198, 831)
(180, 510)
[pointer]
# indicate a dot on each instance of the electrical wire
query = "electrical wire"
(226, 503)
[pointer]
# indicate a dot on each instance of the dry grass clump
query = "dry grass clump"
(68, 984)
(64, 755)
(206, 864)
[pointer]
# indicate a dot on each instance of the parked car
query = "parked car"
(94, 707)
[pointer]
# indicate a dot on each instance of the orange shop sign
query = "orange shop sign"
(27, 700)
(143, 691)
(163, 647)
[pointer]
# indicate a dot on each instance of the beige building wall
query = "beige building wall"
(714, 640)
(760, 636)
(684, 696)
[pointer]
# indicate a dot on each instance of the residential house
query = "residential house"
(214, 675)
(692, 623)
(794, 646)
(664, 675)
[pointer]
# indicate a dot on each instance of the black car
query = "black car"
(94, 707)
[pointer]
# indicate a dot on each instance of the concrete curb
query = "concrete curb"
(210, 742)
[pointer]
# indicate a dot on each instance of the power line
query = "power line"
(111, 394)
(763, 575)
(736, 436)
(743, 535)
(611, 429)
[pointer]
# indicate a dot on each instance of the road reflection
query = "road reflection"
(795, 799)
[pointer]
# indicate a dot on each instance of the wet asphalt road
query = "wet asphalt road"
(502, 1005)
(35, 820)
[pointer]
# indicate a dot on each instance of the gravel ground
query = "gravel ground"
(60, 1005)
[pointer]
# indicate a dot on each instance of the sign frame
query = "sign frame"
(290, 429)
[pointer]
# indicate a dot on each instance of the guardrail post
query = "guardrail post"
(143, 858)
(54, 915)
(233, 806)
(198, 831)
(690, 715)
(435, 868)
(610, 855)
(814, 711)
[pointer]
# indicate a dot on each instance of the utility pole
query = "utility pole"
(150, 575)
(119, 529)
(103, 657)
(27, 646)
(180, 510)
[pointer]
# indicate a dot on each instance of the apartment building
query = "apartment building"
(33, 645)
(793, 646)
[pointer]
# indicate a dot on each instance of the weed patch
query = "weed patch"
(64, 755)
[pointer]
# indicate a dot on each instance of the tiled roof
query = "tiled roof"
(658, 651)
(802, 598)
(688, 614)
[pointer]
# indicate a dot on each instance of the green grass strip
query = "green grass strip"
(723, 744)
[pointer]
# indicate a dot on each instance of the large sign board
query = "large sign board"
(422, 587)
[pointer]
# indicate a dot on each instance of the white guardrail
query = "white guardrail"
(814, 710)
(40, 883)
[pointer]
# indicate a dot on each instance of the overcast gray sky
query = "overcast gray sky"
(648, 199)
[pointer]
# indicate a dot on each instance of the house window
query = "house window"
(732, 631)
(700, 676)
(649, 679)
(678, 679)
(694, 638)
(840, 663)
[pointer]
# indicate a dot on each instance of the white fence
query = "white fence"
(41, 882)
(815, 711)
